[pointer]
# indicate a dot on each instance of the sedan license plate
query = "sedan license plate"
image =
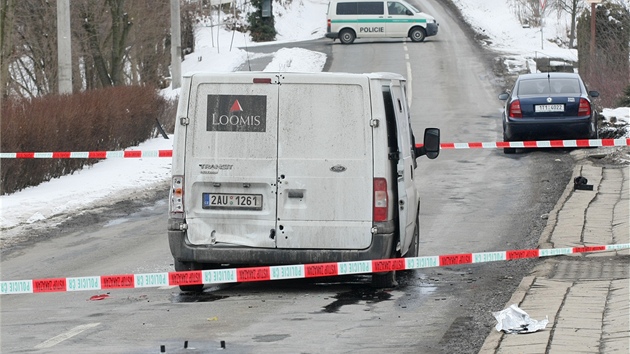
(546, 108)
(229, 201)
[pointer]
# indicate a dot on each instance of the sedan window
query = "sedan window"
(546, 86)
(533, 87)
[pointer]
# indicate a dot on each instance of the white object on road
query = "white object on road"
(515, 320)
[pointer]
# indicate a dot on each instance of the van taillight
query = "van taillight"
(515, 109)
(328, 25)
(380, 199)
(177, 196)
(585, 108)
(262, 80)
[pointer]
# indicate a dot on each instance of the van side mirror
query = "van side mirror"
(408, 12)
(431, 144)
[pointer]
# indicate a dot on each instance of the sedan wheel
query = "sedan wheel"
(507, 150)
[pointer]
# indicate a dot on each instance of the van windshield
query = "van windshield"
(412, 8)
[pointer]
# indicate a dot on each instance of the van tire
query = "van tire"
(347, 36)
(417, 34)
(186, 266)
(384, 280)
(414, 247)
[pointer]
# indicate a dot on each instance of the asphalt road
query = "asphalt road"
(472, 201)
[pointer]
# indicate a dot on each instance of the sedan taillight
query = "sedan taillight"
(515, 109)
(585, 108)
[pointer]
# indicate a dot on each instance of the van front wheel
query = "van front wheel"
(417, 34)
(347, 36)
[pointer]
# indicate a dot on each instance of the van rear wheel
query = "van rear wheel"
(417, 34)
(347, 36)
(186, 266)
(384, 280)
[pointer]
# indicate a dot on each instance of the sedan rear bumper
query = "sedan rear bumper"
(549, 129)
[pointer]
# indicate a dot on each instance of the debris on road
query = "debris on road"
(515, 320)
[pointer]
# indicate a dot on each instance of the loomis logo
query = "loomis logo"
(237, 113)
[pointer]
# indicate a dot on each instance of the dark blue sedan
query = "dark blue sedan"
(548, 106)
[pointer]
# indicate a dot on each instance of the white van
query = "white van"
(348, 20)
(293, 168)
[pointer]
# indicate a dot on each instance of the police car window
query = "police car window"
(347, 8)
(371, 8)
(396, 8)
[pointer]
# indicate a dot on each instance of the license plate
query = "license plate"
(229, 201)
(545, 108)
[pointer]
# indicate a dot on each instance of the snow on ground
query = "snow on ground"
(498, 20)
(218, 50)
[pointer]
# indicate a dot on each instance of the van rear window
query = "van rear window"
(360, 8)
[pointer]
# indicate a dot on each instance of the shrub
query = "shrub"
(262, 29)
(107, 119)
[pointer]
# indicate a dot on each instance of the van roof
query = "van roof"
(375, 75)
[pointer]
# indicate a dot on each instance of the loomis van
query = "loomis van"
(293, 168)
(347, 20)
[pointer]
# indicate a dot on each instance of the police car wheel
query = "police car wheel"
(417, 34)
(346, 36)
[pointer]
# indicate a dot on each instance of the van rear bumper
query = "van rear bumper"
(333, 35)
(381, 247)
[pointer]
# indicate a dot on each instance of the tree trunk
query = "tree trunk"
(93, 43)
(7, 12)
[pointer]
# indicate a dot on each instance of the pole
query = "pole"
(592, 30)
(64, 47)
(176, 46)
(542, 39)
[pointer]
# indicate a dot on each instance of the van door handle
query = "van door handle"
(296, 194)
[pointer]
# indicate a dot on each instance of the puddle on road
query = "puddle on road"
(141, 213)
(356, 295)
(196, 297)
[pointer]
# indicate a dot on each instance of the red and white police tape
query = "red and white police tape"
(444, 146)
(266, 273)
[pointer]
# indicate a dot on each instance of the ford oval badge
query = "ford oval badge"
(338, 168)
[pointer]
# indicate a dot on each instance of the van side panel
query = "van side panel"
(324, 166)
(231, 154)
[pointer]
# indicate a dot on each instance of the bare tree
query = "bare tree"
(572, 7)
(101, 35)
(114, 42)
(607, 69)
(34, 64)
(7, 12)
(149, 55)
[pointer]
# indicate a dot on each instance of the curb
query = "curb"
(493, 340)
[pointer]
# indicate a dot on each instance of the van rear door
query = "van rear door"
(324, 163)
(231, 161)
(286, 164)
(407, 193)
